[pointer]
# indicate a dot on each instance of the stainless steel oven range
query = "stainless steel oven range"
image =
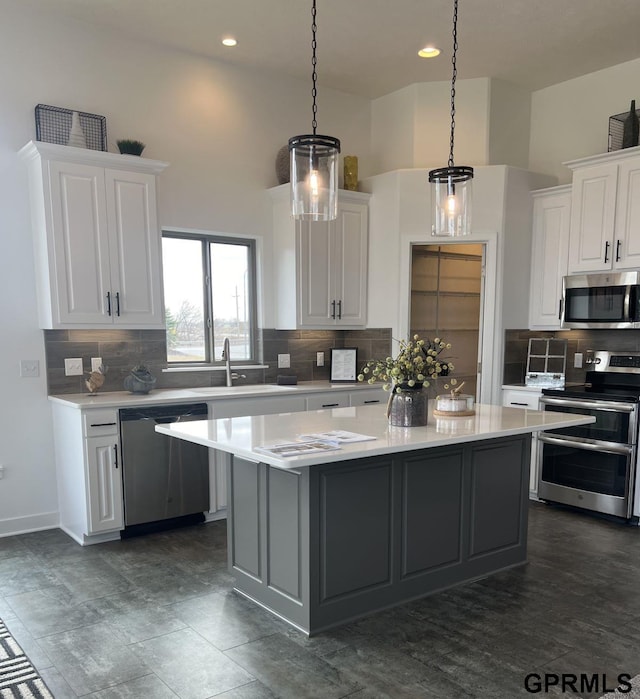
(594, 466)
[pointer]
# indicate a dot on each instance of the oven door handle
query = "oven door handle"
(589, 405)
(590, 444)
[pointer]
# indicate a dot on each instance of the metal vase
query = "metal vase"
(408, 407)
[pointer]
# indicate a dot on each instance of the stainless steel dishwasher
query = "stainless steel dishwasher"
(166, 480)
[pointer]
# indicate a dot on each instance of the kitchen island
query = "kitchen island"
(326, 537)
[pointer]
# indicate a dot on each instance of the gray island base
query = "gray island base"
(322, 539)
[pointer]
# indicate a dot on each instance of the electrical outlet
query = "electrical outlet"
(577, 360)
(96, 363)
(319, 358)
(73, 366)
(284, 361)
(29, 368)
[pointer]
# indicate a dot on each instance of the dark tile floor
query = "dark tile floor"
(155, 618)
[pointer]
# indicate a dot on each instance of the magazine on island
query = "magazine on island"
(312, 443)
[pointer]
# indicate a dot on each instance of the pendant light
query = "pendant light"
(451, 185)
(314, 162)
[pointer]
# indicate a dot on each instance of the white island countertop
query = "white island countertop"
(242, 435)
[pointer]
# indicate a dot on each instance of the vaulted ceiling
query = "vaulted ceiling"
(369, 47)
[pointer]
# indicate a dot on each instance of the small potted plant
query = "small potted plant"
(130, 147)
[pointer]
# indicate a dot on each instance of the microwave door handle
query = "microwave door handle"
(627, 303)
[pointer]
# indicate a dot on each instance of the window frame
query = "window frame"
(205, 240)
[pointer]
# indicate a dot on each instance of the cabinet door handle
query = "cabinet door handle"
(108, 303)
(371, 401)
(606, 251)
(524, 405)
(102, 424)
(339, 309)
(117, 303)
(331, 405)
(115, 454)
(333, 310)
(618, 250)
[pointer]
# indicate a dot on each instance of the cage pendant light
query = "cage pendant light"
(451, 185)
(314, 161)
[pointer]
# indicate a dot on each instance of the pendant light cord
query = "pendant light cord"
(314, 61)
(453, 80)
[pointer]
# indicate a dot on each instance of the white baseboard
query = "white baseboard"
(30, 523)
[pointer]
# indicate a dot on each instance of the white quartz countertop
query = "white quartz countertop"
(241, 435)
(124, 399)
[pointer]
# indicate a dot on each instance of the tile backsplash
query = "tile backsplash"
(122, 349)
(517, 343)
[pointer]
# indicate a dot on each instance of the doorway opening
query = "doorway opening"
(447, 301)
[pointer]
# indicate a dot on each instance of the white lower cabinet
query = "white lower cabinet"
(330, 399)
(88, 473)
(368, 396)
(88, 457)
(526, 399)
(104, 484)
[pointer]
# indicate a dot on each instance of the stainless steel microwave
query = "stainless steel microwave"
(604, 300)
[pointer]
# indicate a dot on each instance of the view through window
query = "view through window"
(209, 295)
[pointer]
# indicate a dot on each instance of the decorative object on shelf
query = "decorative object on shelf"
(140, 380)
(631, 128)
(76, 134)
(454, 404)
(451, 185)
(407, 376)
(351, 172)
(95, 380)
(283, 165)
(128, 147)
(54, 125)
(616, 130)
(314, 161)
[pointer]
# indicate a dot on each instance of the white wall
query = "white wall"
(571, 120)
(219, 128)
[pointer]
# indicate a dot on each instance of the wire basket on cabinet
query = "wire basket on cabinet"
(53, 125)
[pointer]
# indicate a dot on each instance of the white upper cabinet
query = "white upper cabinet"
(97, 239)
(321, 268)
(605, 212)
(550, 253)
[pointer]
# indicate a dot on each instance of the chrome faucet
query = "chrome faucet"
(226, 355)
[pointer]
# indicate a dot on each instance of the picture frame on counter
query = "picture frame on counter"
(344, 365)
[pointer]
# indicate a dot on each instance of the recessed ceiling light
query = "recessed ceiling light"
(429, 52)
(230, 41)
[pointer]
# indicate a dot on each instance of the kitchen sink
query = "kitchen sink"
(258, 389)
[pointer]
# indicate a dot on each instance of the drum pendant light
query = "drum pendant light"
(314, 161)
(451, 185)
